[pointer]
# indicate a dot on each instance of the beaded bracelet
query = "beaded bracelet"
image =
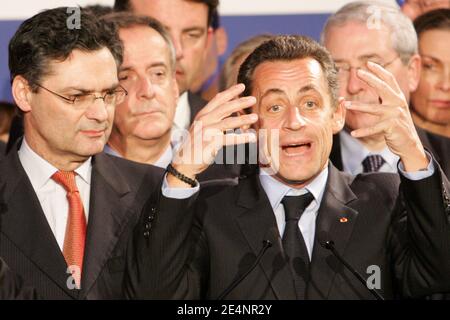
(181, 176)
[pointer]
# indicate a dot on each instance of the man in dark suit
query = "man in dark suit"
(189, 24)
(354, 36)
(70, 208)
(396, 234)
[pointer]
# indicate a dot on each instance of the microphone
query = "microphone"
(329, 245)
(271, 235)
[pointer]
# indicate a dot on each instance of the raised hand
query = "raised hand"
(394, 119)
(207, 133)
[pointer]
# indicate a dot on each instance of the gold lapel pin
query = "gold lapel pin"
(343, 220)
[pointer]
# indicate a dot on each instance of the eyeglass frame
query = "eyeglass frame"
(72, 101)
(384, 65)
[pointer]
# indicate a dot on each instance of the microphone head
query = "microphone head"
(272, 235)
(267, 243)
(325, 242)
(329, 244)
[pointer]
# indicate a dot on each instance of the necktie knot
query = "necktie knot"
(66, 179)
(294, 206)
(373, 163)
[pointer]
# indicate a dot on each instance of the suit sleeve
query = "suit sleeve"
(421, 236)
(160, 252)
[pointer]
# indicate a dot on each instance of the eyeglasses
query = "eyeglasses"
(85, 100)
(344, 69)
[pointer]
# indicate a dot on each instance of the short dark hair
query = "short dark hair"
(47, 36)
(433, 20)
(99, 10)
(124, 20)
(288, 48)
(125, 5)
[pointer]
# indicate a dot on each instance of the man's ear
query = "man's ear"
(209, 37)
(414, 69)
(338, 116)
(175, 89)
(221, 40)
(22, 93)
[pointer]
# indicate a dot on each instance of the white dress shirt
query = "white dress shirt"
(162, 162)
(277, 190)
(354, 152)
(51, 195)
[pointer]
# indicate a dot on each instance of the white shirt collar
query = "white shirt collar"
(276, 190)
(353, 153)
(165, 158)
(40, 170)
(182, 117)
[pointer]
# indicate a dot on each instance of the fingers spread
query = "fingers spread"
(223, 97)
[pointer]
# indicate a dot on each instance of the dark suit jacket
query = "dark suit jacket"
(439, 146)
(11, 286)
(119, 189)
(196, 103)
(406, 237)
(2, 149)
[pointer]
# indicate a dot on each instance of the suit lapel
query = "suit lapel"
(423, 136)
(107, 217)
(255, 217)
(196, 103)
(336, 155)
(26, 226)
(335, 221)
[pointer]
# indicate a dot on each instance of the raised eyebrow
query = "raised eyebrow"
(308, 88)
(271, 91)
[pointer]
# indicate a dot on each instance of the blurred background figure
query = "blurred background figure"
(353, 42)
(228, 76)
(6, 115)
(206, 83)
(415, 8)
(189, 25)
(431, 101)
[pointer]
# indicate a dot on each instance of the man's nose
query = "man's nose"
(354, 84)
(294, 120)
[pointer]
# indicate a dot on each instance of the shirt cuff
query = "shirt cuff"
(418, 175)
(178, 193)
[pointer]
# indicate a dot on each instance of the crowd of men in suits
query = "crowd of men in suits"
(127, 184)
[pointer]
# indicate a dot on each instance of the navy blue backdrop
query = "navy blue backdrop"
(239, 28)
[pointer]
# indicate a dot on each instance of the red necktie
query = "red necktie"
(73, 249)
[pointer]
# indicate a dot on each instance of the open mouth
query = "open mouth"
(296, 149)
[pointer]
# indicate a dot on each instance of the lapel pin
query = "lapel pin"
(343, 220)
